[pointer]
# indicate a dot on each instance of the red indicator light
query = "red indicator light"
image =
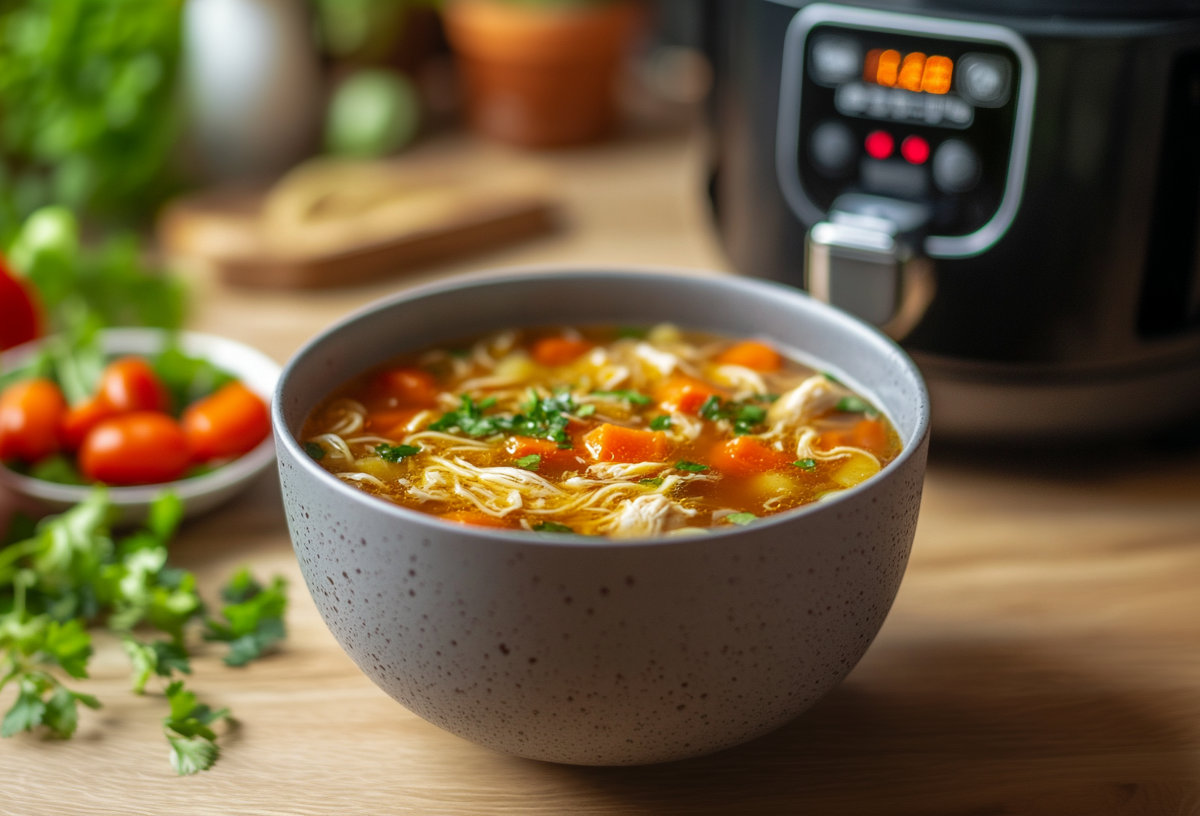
(880, 144)
(914, 149)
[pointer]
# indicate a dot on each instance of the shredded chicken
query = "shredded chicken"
(646, 516)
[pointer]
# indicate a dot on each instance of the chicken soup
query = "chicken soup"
(600, 431)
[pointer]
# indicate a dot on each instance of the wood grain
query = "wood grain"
(1042, 656)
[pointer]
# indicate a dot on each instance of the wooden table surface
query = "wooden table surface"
(1043, 655)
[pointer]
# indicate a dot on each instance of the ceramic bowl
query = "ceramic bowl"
(604, 652)
(257, 371)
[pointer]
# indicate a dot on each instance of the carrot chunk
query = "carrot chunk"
(476, 518)
(686, 394)
(553, 458)
(557, 351)
(390, 423)
(746, 456)
(751, 354)
(868, 434)
(413, 387)
(613, 443)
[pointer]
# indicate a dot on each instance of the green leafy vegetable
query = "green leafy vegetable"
(585, 410)
(655, 482)
(660, 423)
(831, 378)
(189, 732)
(89, 104)
(531, 462)
(853, 405)
(745, 416)
(253, 618)
(694, 467)
(805, 464)
(741, 519)
(83, 289)
(58, 469)
(69, 570)
(314, 450)
(188, 379)
(393, 453)
(634, 397)
(551, 527)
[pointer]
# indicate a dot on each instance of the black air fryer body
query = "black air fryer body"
(1073, 307)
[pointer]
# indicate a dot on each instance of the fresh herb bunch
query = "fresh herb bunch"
(81, 289)
(543, 418)
(88, 102)
(70, 572)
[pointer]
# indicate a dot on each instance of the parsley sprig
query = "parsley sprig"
(394, 453)
(744, 415)
(70, 572)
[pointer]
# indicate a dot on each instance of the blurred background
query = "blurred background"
(255, 168)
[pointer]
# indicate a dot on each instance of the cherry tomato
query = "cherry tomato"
(30, 413)
(79, 420)
(144, 447)
(130, 384)
(18, 311)
(230, 422)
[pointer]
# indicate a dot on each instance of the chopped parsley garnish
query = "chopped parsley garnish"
(744, 416)
(531, 462)
(805, 464)
(656, 482)
(544, 418)
(586, 410)
(853, 405)
(314, 450)
(831, 378)
(395, 453)
(551, 527)
(634, 397)
(693, 467)
(660, 423)
(469, 419)
(741, 519)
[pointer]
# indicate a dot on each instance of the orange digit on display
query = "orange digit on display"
(889, 68)
(871, 65)
(936, 79)
(910, 72)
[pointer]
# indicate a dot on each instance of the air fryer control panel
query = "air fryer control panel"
(935, 112)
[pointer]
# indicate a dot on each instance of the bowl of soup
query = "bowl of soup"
(602, 516)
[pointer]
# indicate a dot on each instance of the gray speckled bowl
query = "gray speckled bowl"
(604, 652)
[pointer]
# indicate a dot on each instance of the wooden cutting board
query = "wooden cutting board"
(338, 222)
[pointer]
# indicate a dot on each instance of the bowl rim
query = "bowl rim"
(630, 272)
(234, 472)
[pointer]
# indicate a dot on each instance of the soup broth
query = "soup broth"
(600, 431)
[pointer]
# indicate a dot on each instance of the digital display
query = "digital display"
(912, 72)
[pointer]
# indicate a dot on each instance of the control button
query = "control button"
(956, 167)
(835, 60)
(984, 79)
(879, 144)
(832, 148)
(915, 150)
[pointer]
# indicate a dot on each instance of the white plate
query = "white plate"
(256, 371)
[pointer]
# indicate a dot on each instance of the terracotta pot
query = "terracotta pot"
(537, 76)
